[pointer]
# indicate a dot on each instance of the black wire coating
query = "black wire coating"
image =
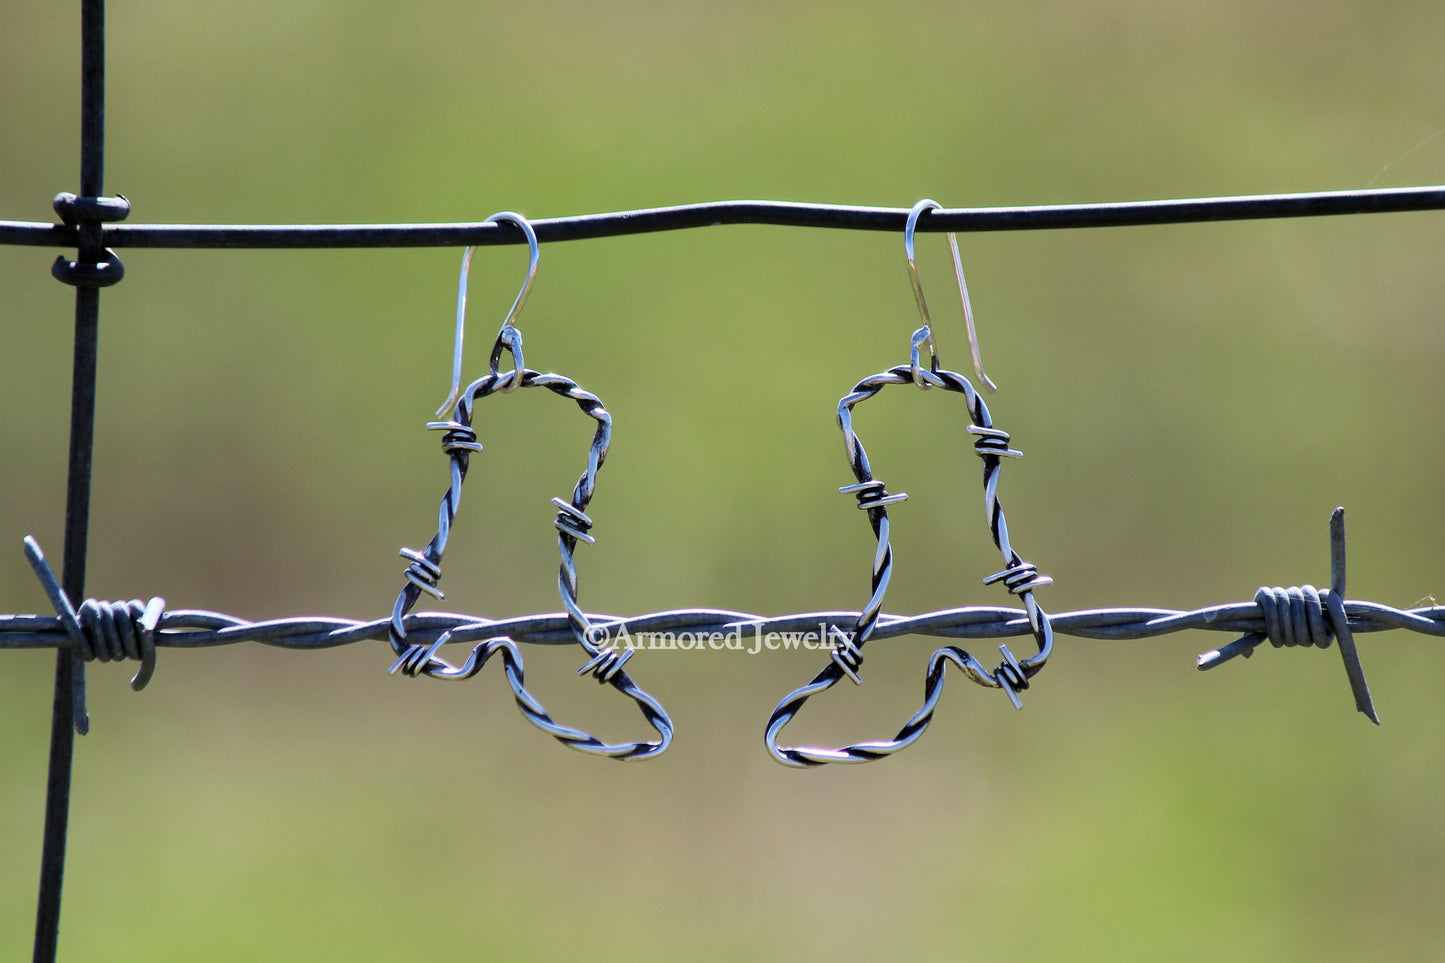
(650, 220)
(90, 270)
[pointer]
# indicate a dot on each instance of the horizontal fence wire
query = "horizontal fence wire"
(783, 213)
(197, 629)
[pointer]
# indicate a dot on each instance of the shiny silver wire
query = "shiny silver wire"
(573, 525)
(924, 335)
(507, 335)
(1019, 577)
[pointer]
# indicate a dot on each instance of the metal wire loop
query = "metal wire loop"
(89, 274)
(924, 335)
(78, 209)
(1021, 578)
(508, 338)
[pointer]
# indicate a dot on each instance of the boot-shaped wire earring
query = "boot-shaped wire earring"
(1020, 577)
(459, 442)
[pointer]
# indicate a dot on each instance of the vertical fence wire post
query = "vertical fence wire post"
(69, 674)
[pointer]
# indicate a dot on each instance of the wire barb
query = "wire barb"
(873, 494)
(101, 631)
(1305, 616)
(992, 441)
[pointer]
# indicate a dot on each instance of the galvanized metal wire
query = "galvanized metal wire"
(202, 629)
(1020, 577)
(573, 525)
(1286, 617)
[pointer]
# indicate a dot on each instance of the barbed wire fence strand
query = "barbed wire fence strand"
(89, 224)
(1285, 617)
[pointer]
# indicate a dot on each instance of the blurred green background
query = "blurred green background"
(1193, 401)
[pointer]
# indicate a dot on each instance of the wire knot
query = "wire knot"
(75, 209)
(846, 653)
(571, 520)
(115, 631)
(872, 494)
(992, 441)
(107, 631)
(459, 438)
(1295, 616)
(1011, 676)
(421, 659)
(423, 572)
(1305, 616)
(606, 664)
(1020, 578)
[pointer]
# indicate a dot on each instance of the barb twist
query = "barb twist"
(1305, 616)
(104, 631)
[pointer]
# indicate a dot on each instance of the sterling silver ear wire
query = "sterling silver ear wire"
(1020, 577)
(572, 523)
(509, 336)
(927, 328)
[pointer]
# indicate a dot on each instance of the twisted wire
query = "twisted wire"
(605, 664)
(422, 660)
(1298, 616)
(202, 629)
(192, 628)
(1018, 576)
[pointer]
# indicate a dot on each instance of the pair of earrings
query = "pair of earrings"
(459, 442)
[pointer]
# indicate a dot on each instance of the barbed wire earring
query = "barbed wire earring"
(459, 442)
(1020, 577)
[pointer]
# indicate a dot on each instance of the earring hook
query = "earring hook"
(926, 333)
(534, 256)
